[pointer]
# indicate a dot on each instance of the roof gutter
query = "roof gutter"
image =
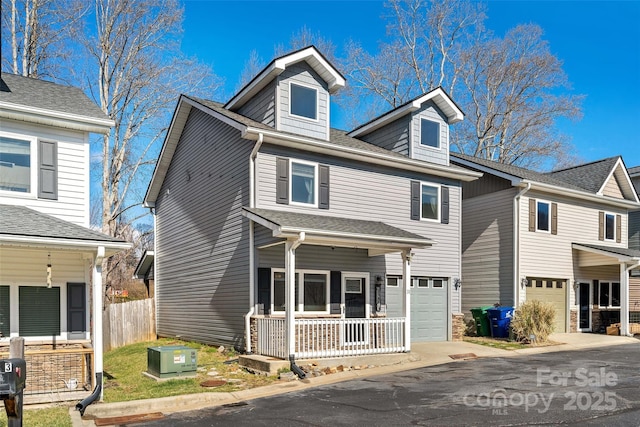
(111, 247)
(73, 121)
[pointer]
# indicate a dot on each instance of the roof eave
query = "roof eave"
(620, 257)
(61, 243)
(55, 118)
(584, 195)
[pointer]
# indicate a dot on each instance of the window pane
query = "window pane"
(15, 165)
(278, 291)
(615, 294)
(610, 227)
(353, 286)
(303, 183)
(303, 101)
(423, 283)
(543, 216)
(315, 292)
(39, 311)
(393, 281)
(430, 202)
(604, 294)
(429, 133)
(438, 283)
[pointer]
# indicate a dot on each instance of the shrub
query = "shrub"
(533, 319)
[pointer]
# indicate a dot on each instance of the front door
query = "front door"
(584, 321)
(354, 291)
(76, 310)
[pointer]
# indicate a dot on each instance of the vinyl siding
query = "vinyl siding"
(202, 242)
(26, 267)
(634, 230)
(612, 188)
(262, 107)
(361, 191)
(486, 184)
(393, 137)
(303, 74)
(487, 250)
(439, 155)
(73, 173)
(634, 294)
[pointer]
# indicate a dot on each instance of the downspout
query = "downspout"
(252, 204)
(516, 245)
(97, 332)
(290, 311)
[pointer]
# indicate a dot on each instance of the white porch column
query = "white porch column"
(97, 314)
(290, 291)
(406, 306)
(624, 299)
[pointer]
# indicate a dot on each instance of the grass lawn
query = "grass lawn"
(56, 416)
(503, 343)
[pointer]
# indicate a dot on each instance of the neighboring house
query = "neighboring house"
(560, 237)
(144, 272)
(50, 260)
(249, 192)
(634, 243)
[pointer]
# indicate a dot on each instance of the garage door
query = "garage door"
(553, 291)
(428, 308)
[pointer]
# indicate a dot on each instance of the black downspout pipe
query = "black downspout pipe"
(295, 368)
(82, 406)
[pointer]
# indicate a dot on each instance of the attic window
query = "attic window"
(304, 102)
(429, 133)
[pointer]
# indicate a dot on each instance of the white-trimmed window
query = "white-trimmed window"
(606, 294)
(311, 294)
(394, 281)
(430, 202)
(429, 282)
(543, 216)
(609, 226)
(429, 133)
(303, 101)
(303, 185)
(17, 163)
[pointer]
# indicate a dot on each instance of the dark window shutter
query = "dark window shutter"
(264, 289)
(618, 228)
(323, 185)
(444, 219)
(600, 225)
(5, 311)
(48, 170)
(415, 200)
(554, 218)
(532, 214)
(282, 180)
(39, 311)
(335, 293)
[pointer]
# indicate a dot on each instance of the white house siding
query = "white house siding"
(262, 106)
(435, 155)
(393, 137)
(202, 241)
(361, 191)
(487, 250)
(304, 75)
(634, 230)
(73, 172)
(28, 267)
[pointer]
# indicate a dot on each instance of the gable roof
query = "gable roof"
(321, 65)
(438, 96)
(19, 224)
(144, 265)
(587, 180)
(39, 101)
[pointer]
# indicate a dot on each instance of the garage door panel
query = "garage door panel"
(429, 312)
(553, 291)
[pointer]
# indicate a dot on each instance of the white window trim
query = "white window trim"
(608, 306)
(315, 183)
(360, 275)
(548, 231)
(299, 305)
(615, 226)
(420, 144)
(429, 279)
(33, 166)
(439, 187)
(317, 119)
(395, 276)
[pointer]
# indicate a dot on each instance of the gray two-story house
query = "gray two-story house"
(280, 235)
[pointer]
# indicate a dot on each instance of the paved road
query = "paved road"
(587, 388)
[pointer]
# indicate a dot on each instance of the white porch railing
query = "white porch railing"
(332, 337)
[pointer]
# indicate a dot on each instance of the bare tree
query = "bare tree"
(252, 67)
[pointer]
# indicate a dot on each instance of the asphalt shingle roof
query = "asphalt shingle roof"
(634, 170)
(321, 223)
(22, 221)
(36, 93)
(589, 176)
(633, 253)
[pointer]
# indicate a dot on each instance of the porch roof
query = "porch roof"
(619, 254)
(376, 236)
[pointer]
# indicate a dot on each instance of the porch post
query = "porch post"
(97, 317)
(624, 299)
(406, 306)
(289, 296)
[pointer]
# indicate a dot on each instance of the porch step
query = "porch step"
(262, 365)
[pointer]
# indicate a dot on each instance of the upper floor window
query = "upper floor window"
(15, 164)
(609, 226)
(543, 222)
(429, 133)
(303, 102)
(301, 182)
(430, 202)
(304, 182)
(543, 216)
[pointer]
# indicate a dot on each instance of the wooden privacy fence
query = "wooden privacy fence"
(129, 323)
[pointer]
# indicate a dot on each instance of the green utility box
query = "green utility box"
(172, 361)
(483, 326)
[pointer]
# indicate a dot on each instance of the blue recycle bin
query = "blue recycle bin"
(500, 319)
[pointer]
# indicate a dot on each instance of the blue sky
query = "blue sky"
(598, 42)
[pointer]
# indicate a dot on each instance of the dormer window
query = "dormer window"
(304, 101)
(429, 133)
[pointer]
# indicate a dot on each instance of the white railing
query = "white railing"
(332, 337)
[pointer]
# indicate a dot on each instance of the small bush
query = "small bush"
(533, 319)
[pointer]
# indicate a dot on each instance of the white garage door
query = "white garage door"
(428, 308)
(553, 291)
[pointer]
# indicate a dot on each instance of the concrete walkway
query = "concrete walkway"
(423, 354)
